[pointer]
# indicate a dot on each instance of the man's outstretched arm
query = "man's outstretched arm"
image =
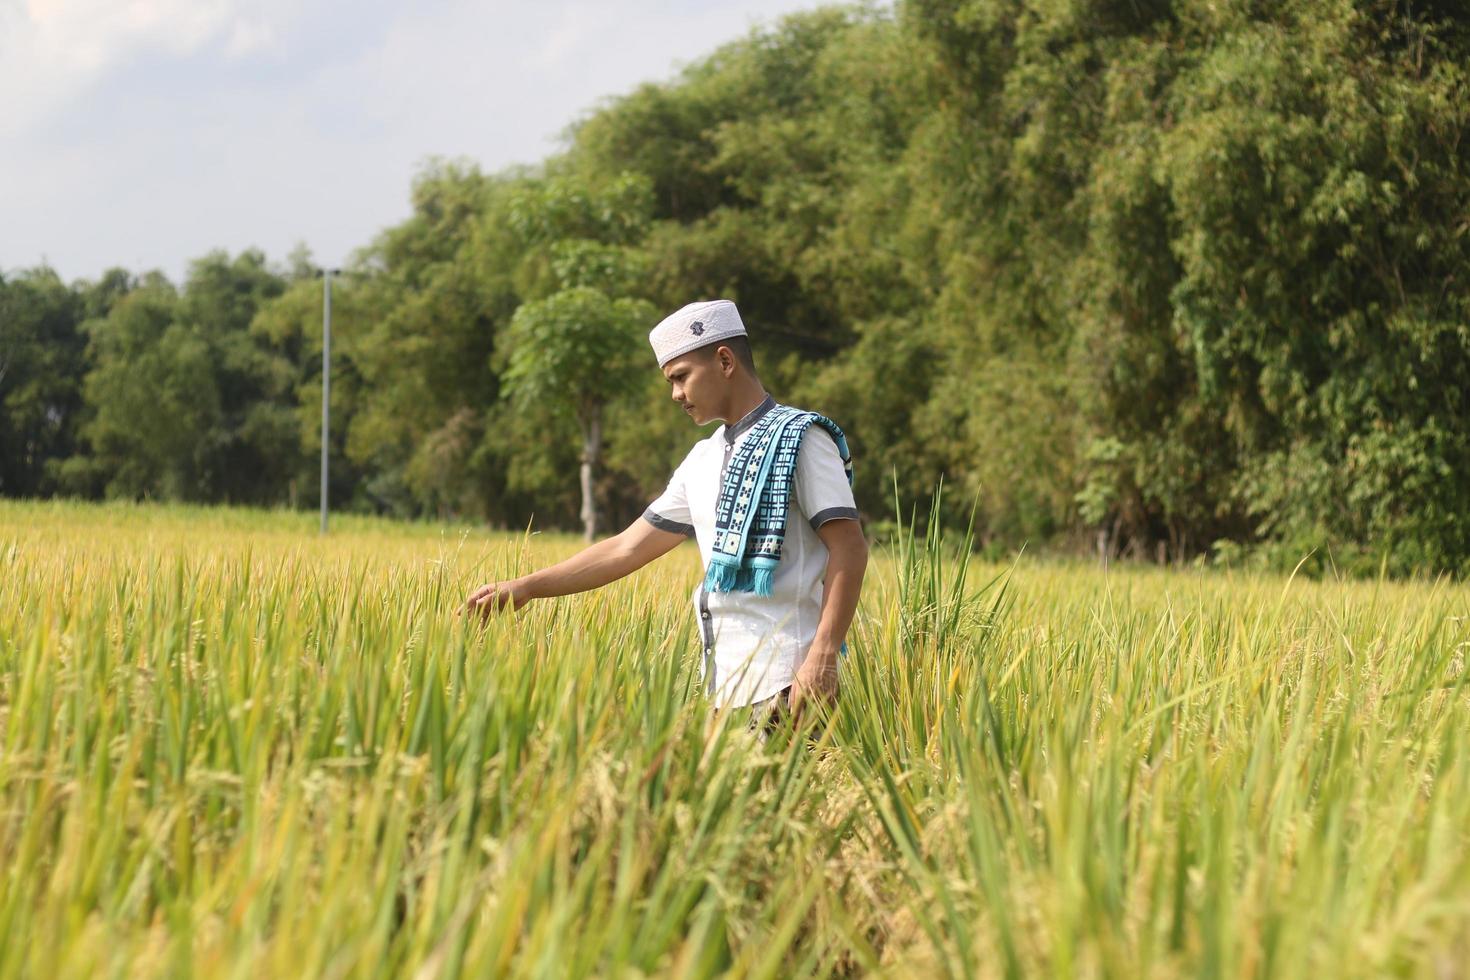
(591, 568)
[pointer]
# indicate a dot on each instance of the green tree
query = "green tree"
(152, 399)
(41, 365)
(248, 452)
(577, 350)
(434, 294)
(1222, 224)
(580, 350)
(178, 394)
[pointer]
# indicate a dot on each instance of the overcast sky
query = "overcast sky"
(144, 133)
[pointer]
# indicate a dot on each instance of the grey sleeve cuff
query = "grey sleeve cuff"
(833, 514)
(664, 524)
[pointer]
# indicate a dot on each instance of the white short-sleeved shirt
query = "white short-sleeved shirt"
(754, 644)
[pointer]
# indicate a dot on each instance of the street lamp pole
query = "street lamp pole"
(326, 380)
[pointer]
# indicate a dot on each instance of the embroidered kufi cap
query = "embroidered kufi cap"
(694, 326)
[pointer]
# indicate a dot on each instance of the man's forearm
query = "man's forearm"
(591, 568)
(840, 598)
(847, 560)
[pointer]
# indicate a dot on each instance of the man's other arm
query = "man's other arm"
(847, 562)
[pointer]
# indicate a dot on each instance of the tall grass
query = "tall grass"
(229, 747)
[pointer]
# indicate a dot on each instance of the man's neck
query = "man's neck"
(745, 402)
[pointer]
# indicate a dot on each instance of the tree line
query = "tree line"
(1165, 279)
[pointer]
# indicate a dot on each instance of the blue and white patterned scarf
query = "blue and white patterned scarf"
(750, 516)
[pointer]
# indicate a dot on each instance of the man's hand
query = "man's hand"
(495, 596)
(816, 679)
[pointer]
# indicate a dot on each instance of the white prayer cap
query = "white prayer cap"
(696, 325)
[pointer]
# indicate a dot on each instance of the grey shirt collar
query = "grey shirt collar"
(751, 418)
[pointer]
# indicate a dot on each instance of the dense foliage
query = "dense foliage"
(1165, 279)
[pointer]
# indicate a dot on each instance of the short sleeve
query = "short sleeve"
(822, 490)
(670, 512)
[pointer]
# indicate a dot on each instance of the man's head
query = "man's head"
(705, 355)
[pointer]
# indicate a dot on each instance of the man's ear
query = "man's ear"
(727, 361)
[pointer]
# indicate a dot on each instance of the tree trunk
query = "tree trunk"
(591, 453)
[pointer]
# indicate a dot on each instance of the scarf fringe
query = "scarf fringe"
(760, 580)
(723, 574)
(726, 574)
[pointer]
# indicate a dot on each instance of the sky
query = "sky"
(145, 133)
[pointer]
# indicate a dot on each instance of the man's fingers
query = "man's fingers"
(475, 600)
(812, 696)
(800, 698)
(495, 599)
(478, 595)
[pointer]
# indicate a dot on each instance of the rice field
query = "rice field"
(229, 747)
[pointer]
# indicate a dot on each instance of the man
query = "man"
(768, 498)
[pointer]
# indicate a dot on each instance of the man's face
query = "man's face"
(697, 381)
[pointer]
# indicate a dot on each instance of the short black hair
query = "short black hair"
(739, 346)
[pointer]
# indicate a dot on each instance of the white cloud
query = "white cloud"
(52, 51)
(151, 131)
(248, 37)
(571, 31)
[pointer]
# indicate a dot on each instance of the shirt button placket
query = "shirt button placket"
(709, 638)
